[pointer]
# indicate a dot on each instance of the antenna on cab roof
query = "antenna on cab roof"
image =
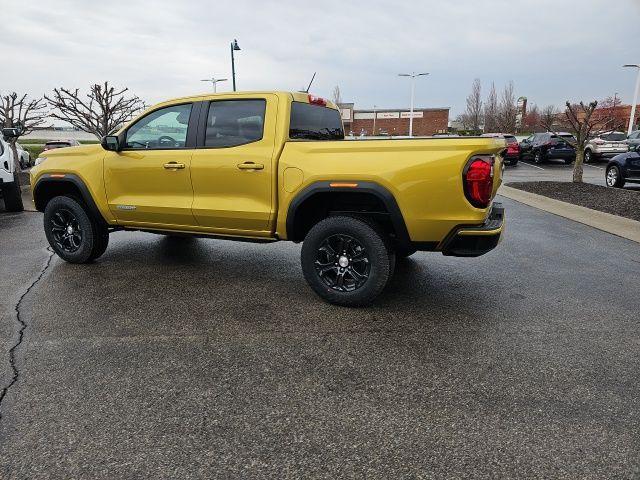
(314, 76)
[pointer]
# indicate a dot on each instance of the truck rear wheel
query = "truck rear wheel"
(346, 260)
(12, 195)
(72, 233)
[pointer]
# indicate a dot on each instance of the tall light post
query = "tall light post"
(234, 47)
(413, 81)
(374, 120)
(214, 81)
(635, 97)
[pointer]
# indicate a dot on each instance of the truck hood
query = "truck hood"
(72, 151)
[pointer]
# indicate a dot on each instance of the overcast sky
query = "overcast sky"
(552, 49)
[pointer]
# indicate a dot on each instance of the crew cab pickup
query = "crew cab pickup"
(269, 166)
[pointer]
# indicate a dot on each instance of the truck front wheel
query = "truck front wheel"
(346, 261)
(72, 233)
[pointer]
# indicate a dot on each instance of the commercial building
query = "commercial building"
(394, 121)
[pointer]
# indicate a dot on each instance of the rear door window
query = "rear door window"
(314, 122)
(234, 122)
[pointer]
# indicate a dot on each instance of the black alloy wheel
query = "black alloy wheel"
(75, 235)
(347, 260)
(342, 263)
(66, 231)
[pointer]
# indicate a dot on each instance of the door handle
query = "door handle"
(250, 166)
(173, 165)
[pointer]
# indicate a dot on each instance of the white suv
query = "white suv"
(9, 178)
(605, 145)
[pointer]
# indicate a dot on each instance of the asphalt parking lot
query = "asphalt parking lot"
(201, 358)
(557, 170)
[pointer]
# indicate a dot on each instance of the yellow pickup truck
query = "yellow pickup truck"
(268, 166)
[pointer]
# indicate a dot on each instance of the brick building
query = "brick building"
(426, 121)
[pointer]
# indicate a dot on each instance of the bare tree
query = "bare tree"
(473, 113)
(531, 121)
(507, 110)
(100, 112)
(549, 117)
(609, 111)
(337, 97)
(491, 111)
(583, 122)
(23, 114)
(464, 120)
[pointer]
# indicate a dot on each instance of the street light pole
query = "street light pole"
(214, 81)
(234, 47)
(413, 78)
(635, 98)
(374, 120)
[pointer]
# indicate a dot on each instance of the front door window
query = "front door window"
(165, 128)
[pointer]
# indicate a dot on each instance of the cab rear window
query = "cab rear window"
(314, 122)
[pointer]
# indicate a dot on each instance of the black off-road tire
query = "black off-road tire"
(367, 236)
(66, 211)
(12, 195)
(101, 240)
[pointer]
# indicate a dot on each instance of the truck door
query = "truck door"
(148, 183)
(233, 169)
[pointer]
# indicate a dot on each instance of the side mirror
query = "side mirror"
(11, 132)
(110, 143)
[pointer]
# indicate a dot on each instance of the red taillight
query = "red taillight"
(478, 181)
(313, 100)
(513, 148)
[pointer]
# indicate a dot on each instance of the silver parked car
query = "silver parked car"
(606, 145)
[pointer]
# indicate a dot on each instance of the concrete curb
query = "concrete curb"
(620, 226)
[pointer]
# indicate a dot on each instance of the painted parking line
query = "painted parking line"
(593, 166)
(534, 166)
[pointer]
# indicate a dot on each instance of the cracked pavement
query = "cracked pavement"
(210, 359)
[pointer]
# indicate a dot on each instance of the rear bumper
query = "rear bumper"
(606, 154)
(476, 240)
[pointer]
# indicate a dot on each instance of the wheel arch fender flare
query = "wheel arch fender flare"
(373, 188)
(47, 181)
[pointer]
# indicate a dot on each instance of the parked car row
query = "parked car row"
(540, 147)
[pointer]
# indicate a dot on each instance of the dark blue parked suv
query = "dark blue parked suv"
(623, 168)
(543, 146)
